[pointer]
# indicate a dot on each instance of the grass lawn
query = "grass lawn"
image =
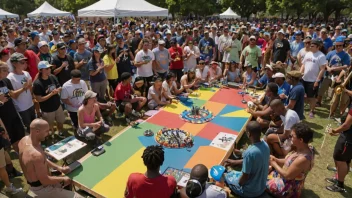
(315, 183)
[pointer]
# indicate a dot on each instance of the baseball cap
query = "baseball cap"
(119, 36)
(15, 57)
(298, 33)
(340, 39)
(278, 75)
(61, 45)
(19, 41)
(269, 66)
(71, 42)
(90, 94)
(98, 49)
(344, 30)
(281, 31)
(311, 26)
(44, 65)
(26, 30)
(33, 35)
(214, 62)
(206, 32)
(81, 41)
(100, 37)
(54, 32)
(168, 32)
(316, 41)
(252, 37)
(161, 42)
(216, 172)
(42, 43)
(138, 31)
(295, 74)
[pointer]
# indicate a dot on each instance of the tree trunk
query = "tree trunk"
(337, 14)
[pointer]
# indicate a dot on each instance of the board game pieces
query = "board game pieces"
(174, 138)
(148, 133)
(197, 115)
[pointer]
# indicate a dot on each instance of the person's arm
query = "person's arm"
(254, 77)
(41, 171)
(291, 104)
(15, 93)
(45, 98)
(177, 91)
(131, 54)
(243, 179)
(320, 76)
(264, 112)
(107, 66)
(344, 126)
(279, 162)
(66, 101)
(98, 113)
(95, 72)
(296, 168)
(139, 63)
(57, 70)
(299, 60)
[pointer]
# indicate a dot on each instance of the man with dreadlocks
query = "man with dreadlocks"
(151, 183)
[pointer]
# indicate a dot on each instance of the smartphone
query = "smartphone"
(98, 151)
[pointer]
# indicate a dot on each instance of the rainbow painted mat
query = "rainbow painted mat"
(106, 175)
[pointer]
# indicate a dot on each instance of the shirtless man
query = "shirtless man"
(35, 165)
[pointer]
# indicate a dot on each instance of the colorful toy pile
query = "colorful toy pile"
(174, 138)
(197, 115)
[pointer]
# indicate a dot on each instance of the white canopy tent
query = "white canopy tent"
(122, 8)
(229, 13)
(4, 14)
(47, 10)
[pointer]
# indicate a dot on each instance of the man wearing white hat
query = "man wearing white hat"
(284, 87)
(251, 54)
(162, 59)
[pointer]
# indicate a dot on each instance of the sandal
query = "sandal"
(335, 188)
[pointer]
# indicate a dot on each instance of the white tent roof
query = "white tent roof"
(229, 13)
(4, 14)
(47, 10)
(122, 8)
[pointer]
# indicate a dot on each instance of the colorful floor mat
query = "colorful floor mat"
(107, 174)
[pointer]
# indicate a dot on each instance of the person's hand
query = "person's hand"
(316, 84)
(282, 96)
(67, 181)
(97, 124)
(230, 162)
(64, 64)
(82, 62)
(25, 85)
(55, 91)
(338, 80)
(65, 169)
(329, 69)
(3, 98)
(117, 59)
(332, 132)
(272, 158)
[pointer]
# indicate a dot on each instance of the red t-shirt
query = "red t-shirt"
(139, 186)
(122, 91)
(176, 53)
(32, 66)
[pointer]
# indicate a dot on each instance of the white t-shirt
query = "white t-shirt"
(74, 93)
(289, 119)
(312, 63)
(213, 191)
(302, 53)
(202, 75)
(146, 70)
(168, 88)
(24, 100)
(213, 73)
(151, 92)
(191, 62)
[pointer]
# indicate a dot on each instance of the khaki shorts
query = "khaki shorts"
(88, 84)
(57, 116)
(52, 191)
(343, 99)
(2, 158)
(324, 86)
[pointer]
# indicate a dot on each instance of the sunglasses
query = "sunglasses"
(339, 45)
(308, 43)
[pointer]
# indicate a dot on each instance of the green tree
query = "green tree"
(245, 7)
(74, 6)
(19, 7)
(197, 7)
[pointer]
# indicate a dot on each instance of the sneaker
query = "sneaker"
(311, 115)
(331, 180)
(136, 114)
(13, 190)
(335, 188)
(61, 134)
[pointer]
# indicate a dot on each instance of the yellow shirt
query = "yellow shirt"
(112, 74)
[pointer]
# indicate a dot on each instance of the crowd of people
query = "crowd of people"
(97, 70)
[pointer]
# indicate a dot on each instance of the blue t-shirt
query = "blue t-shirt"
(327, 43)
(71, 52)
(256, 163)
(99, 77)
(84, 68)
(162, 57)
(296, 47)
(264, 80)
(284, 89)
(338, 60)
(180, 40)
(297, 94)
(206, 48)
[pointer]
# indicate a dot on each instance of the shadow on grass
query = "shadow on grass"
(315, 126)
(309, 193)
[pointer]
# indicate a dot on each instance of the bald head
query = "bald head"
(38, 124)
(199, 172)
(254, 129)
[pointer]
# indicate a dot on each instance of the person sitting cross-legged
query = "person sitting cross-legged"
(288, 175)
(87, 126)
(151, 183)
(155, 98)
(251, 181)
(277, 140)
(124, 100)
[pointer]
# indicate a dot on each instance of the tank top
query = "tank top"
(89, 118)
